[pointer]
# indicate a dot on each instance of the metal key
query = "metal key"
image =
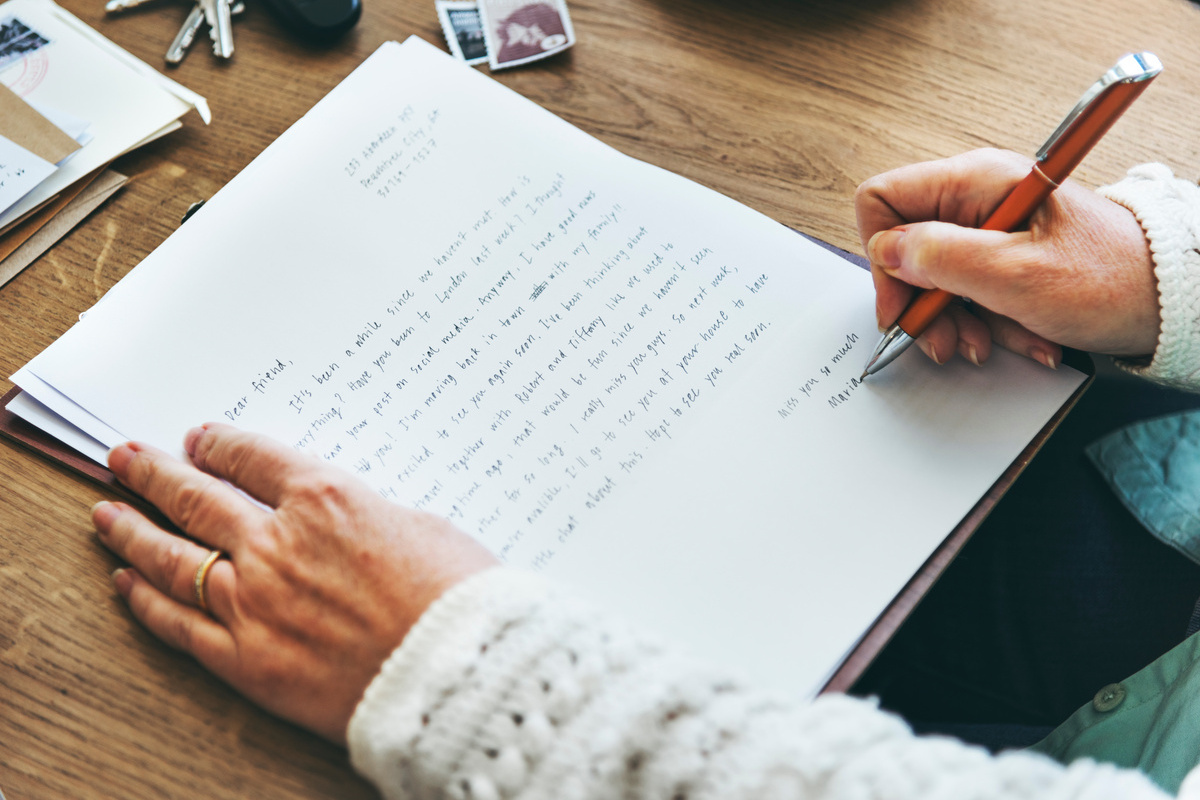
(220, 26)
(191, 26)
(187, 34)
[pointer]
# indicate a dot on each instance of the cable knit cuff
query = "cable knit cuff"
(1168, 209)
(436, 658)
(506, 688)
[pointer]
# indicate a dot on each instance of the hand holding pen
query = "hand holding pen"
(909, 220)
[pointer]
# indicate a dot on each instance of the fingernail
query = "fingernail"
(1043, 357)
(189, 440)
(120, 456)
(122, 580)
(884, 248)
(104, 514)
(932, 352)
(973, 355)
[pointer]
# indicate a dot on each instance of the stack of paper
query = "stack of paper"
(70, 102)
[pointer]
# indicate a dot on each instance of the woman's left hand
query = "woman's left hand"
(319, 587)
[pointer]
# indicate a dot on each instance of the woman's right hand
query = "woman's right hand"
(1081, 275)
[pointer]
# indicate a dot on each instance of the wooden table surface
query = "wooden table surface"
(785, 105)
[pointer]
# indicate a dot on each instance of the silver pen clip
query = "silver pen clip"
(1132, 68)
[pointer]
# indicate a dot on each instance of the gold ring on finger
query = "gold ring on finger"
(202, 575)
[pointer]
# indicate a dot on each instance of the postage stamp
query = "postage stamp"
(520, 31)
(463, 29)
(18, 40)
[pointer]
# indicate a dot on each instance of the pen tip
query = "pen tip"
(863, 377)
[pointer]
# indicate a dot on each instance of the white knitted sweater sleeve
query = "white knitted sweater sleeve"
(1168, 209)
(507, 689)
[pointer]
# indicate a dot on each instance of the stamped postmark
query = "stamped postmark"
(21, 50)
(463, 29)
(520, 31)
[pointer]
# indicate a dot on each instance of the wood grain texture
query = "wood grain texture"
(785, 105)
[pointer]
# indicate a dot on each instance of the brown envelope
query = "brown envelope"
(38, 231)
(20, 123)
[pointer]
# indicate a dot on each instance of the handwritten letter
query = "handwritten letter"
(603, 371)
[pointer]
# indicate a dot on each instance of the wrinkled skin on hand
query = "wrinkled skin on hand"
(1081, 275)
(322, 580)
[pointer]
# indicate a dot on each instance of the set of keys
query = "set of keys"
(217, 15)
(315, 20)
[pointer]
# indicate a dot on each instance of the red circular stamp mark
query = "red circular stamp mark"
(33, 71)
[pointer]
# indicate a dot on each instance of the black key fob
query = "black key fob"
(318, 20)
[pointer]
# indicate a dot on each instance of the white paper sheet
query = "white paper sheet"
(602, 370)
(78, 129)
(20, 172)
(68, 411)
(41, 416)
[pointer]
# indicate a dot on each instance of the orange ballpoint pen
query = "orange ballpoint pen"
(1100, 107)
